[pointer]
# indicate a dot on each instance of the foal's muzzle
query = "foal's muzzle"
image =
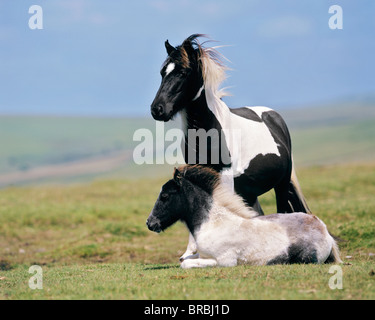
(153, 224)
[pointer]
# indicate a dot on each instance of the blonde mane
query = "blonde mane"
(211, 61)
(224, 197)
(214, 71)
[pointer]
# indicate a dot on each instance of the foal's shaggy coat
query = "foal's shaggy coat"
(228, 233)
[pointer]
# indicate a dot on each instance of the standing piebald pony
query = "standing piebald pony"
(249, 146)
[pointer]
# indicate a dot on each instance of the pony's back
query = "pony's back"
(310, 240)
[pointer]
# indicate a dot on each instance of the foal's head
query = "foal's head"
(181, 79)
(182, 197)
(169, 206)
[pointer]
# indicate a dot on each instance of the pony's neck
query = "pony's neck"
(198, 207)
(197, 115)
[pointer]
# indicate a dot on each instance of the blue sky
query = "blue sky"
(103, 57)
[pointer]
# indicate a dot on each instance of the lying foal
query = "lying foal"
(228, 233)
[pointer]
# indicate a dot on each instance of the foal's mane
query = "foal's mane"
(211, 63)
(204, 177)
(209, 180)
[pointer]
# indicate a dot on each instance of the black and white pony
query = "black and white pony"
(253, 144)
(229, 233)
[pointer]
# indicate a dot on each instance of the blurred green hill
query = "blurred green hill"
(37, 149)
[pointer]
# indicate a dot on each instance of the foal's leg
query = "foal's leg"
(198, 263)
(191, 250)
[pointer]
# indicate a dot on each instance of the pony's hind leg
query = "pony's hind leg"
(253, 202)
(256, 206)
(289, 197)
(191, 250)
(282, 202)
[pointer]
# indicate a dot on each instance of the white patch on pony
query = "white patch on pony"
(170, 68)
(259, 110)
(245, 138)
(227, 179)
(199, 93)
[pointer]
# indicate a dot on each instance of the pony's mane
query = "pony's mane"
(210, 180)
(204, 177)
(211, 61)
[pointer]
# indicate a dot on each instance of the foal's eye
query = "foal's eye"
(164, 196)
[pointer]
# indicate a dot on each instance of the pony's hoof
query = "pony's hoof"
(189, 256)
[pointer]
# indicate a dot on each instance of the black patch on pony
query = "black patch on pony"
(200, 117)
(299, 252)
(246, 113)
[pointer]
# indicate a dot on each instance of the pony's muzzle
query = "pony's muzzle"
(153, 224)
(161, 111)
(157, 112)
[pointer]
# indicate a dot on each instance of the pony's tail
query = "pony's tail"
(334, 256)
(296, 199)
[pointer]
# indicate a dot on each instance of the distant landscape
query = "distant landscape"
(40, 149)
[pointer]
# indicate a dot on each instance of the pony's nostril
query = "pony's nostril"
(157, 111)
(160, 109)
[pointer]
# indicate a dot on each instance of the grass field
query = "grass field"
(92, 243)
(86, 229)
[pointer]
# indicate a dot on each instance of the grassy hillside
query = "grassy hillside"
(92, 242)
(64, 149)
(334, 144)
(29, 141)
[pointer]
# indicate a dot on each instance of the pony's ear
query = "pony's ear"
(169, 47)
(188, 46)
(177, 176)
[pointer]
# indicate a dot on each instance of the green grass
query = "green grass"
(92, 243)
(140, 281)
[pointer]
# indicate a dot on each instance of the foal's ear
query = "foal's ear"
(169, 47)
(177, 176)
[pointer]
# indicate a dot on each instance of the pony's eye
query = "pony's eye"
(164, 196)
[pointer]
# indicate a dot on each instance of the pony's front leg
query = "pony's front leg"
(198, 263)
(191, 250)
